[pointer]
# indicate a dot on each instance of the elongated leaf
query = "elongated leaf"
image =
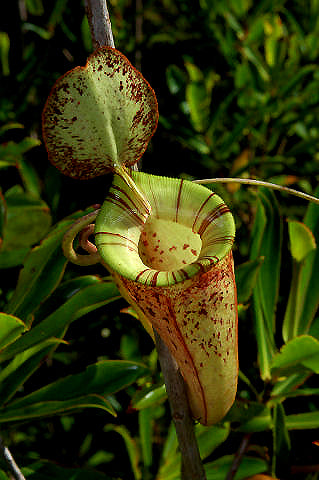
(303, 421)
(42, 271)
(302, 350)
(246, 277)
(304, 301)
(266, 242)
(54, 325)
(208, 439)
(86, 389)
(49, 408)
(131, 447)
(145, 421)
(11, 328)
(249, 466)
(42, 470)
(14, 375)
(99, 117)
(281, 442)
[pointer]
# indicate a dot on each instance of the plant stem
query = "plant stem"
(100, 23)
(12, 466)
(192, 467)
(239, 456)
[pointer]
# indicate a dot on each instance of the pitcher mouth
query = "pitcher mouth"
(187, 230)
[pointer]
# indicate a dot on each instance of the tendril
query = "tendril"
(260, 183)
(84, 227)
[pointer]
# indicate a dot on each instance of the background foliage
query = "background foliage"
(237, 84)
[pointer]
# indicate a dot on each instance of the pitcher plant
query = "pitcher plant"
(166, 242)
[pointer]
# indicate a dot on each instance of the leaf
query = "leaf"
(99, 117)
(44, 470)
(145, 422)
(27, 221)
(218, 469)
(302, 241)
(303, 421)
(86, 389)
(4, 53)
(11, 328)
(131, 446)
(80, 303)
(281, 442)
(208, 439)
(304, 299)
(50, 408)
(152, 398)
(15, 374)
(266, 242)
(246, 277)
(302, 350)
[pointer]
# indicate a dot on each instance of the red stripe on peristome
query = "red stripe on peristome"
(117, 188)
(115, 200)
(118, 236)
(140, 274)
(178, 202)
(213, 215)
(201, 208)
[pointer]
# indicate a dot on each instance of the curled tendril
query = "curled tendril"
(84, 227)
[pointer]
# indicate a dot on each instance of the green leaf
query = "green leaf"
(86, 389)
(14, 375)
(281, 441)
(246, 277)
(302, 241)
(42, 470)
(80, 303)
(99, 117)
(304, 297)
(11, 328)
(28, 220)
(198, 101)
(302, 350)
(248, 467)
(49, 408)
(266, 242)
(131, 446)
(42, 271)
(208, 439)
(4, 53)
(303, 421)
(152, 398)
(145, 421)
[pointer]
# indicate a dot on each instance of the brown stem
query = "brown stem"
(239, 456)
(11, 464)
(192, 467)
(100, 23)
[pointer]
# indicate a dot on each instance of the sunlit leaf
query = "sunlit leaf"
(99, 117)
(11, 328)
(302, 350)
(301, 239)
